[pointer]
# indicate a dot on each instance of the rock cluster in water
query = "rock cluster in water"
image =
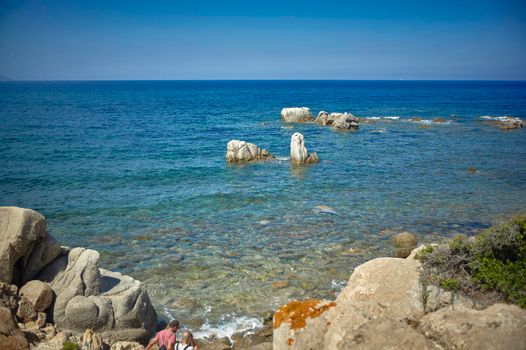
(342, 121)
(298, 152)
(242, 151)
(385, 305)
(45, 288)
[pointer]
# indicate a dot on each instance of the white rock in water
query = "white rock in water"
(296, 115)
(298, 151)
(241, 151)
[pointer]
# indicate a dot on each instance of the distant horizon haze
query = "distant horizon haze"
(234, 40)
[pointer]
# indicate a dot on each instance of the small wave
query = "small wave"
(337, 286)
(392, 117)
(373, 118)
(503, 119)
(228, 326)
(282, 158)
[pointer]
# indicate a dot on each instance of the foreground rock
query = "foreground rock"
(241, 151)
(71, 291)
(25, 248)
(298, 151)
(11, 337)
(296, 115)
(499, 326)
(383, 306)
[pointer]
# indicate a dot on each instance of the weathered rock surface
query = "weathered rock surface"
(344, 121)
(91, 298)
(382, 307)
(38, 293)
(296, 115)
(24, 246)
(497, 327)
(392, 282)
(92, 341)
(341, 121)
(11, 337)
(241, 151)
(298, 151)
(25, 311)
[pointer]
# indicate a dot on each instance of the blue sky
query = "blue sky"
(78, 40)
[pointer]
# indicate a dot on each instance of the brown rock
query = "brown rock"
(457, 327)
(38, 293)
(280, 284)
(41, 319)
(25, 311)
(11, 337)
(92, 341)
(126, 345)
(439, 120)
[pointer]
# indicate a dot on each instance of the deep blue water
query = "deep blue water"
(137, 171)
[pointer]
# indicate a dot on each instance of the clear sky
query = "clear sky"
(250, 39)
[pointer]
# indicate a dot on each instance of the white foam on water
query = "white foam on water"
(392, 117)
(426, 121)
(229, 325)
(337, 286)
(282, 158)
(373, 118)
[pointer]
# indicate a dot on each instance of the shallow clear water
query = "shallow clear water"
(136, 170)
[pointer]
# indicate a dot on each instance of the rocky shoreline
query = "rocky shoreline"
(54, 297)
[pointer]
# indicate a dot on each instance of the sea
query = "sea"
(136, 170)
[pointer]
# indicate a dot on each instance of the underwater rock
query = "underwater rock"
(404, 244)
(298, 151)
(241, 151)
(296, 115)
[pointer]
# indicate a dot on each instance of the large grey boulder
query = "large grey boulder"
(242, 151)
(296, 115)
(25, 248)
(298, 152)
(91, 298)
(499, 326)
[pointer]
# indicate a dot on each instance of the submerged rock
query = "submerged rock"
(504, 123)
(404, 244)
(241, 151)
(296, 115)
(298, 151)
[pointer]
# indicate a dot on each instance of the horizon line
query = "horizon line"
(255, 79)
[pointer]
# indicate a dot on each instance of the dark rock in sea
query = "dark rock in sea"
(439, 120)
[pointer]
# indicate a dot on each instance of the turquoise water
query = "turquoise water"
(137, 171)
